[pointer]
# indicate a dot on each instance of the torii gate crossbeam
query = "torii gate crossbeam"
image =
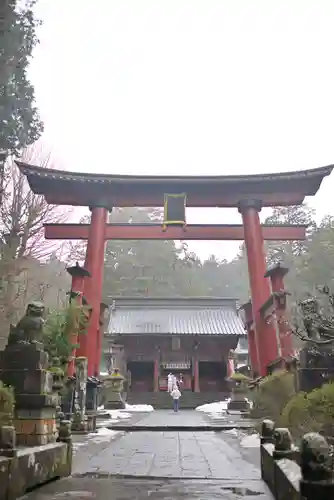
(217, 232)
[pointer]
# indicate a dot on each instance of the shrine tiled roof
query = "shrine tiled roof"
(191, 316)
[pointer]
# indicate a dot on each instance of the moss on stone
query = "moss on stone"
(56, 370)
(7, 403)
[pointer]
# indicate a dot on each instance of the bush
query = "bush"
(239, 377)
(296, 415)
(311, 412)
(59, 326)
(272, 395)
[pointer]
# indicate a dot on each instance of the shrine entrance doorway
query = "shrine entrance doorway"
(142, 375)
(183, 373)
(212, 376)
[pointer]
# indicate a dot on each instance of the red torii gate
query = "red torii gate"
(247, 193)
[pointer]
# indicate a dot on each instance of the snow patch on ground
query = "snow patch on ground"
(139, 408)
(216, 407)
(232, 432)
(245, 440)
(252, 441)
(116, 414)
(219, 407)
(103, 434)
(107, 417)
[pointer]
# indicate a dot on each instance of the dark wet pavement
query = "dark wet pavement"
(170, 464)
(144, 489)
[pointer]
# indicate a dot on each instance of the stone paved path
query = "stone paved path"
(167, 454)
(171, 464)
(170, 418)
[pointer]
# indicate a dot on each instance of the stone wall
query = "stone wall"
(296, 473)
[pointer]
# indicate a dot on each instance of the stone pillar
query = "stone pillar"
(80, 419)
(93, 386)
(266, 339)
(99, 339)
(156, 374)
(276, 275)
(24, 367)
(78, 275)
(252, 346)
(196, 375)
(94, 263)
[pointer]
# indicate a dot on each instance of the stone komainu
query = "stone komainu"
(30, 328)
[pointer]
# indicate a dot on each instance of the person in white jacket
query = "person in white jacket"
(176, 394)
(170, 383)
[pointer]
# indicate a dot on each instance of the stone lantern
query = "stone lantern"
(238, 400)
(113, 385)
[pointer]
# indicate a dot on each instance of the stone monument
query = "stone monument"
(24, 366)
(79, 423)
(29, 401)
(316, 365)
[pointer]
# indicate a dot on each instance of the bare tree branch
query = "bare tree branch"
(22, 215)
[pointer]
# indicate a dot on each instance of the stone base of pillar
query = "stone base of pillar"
(80, 426)
(238, 405)
(91, 421)
(114, 402)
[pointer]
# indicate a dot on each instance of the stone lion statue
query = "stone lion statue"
(29, 329)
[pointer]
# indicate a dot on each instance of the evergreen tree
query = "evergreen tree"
(20, 124)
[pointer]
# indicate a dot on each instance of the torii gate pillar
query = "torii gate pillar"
(94, 263)
(266, 336)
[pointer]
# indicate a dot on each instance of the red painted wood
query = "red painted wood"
(230, 370)
(266, 337)
(196, 376)
(155, 232)
(253, 354)
(156, 375)
(93, 286)
(99, 333)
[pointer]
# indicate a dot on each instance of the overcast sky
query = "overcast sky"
(188, 87)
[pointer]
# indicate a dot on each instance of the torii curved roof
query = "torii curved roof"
(84, 189)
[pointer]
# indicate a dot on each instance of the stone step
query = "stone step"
(162, 400)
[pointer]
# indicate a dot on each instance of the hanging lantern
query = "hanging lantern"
(174, 210)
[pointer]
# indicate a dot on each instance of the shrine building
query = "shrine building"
(148, 338)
